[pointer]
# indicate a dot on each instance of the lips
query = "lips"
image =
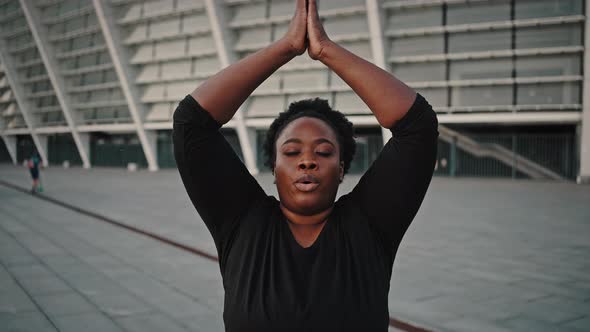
(307, 183)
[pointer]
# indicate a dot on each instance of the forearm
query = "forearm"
(222, 94)
(387, 97)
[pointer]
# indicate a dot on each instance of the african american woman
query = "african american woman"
(306, 262)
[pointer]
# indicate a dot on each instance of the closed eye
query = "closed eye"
(324, 154)
(291, 153)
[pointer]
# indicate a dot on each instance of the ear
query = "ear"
(341, 171)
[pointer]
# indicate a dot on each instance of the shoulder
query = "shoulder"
(260, 211)
(350, 214)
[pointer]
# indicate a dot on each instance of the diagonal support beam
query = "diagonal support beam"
(10, 143)
(23, 103)
(47, 52)
(375, 17)
(123, 68)
(221, 35)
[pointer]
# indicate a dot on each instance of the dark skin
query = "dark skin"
(307, 146)
(387, 97)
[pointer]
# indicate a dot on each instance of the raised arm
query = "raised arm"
(217, 182)
(391, 191)
(387, 97)
(222, 94)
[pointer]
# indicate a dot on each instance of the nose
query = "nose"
(307, 164)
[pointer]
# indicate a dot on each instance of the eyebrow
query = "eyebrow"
(317, 141)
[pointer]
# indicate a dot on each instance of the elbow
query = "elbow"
(434, 121)
(387, 123)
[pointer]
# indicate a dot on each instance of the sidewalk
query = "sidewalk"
(482, 255)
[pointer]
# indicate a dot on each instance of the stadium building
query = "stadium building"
(95, 82)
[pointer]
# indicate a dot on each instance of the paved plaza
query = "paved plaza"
(481, 255)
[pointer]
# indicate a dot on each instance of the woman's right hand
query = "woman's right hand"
(296, 36)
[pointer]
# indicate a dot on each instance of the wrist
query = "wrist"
(285, 48)
(328, 49)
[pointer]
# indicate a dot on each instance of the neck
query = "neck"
(306, 229)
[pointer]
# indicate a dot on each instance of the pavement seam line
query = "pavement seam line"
(393, 322)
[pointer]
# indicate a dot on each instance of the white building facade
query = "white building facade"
(95, 82)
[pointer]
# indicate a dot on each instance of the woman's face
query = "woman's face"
(307, 169)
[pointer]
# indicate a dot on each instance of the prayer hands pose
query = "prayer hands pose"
(296, 36)
(222, 94)
(317, 37)
(306, 30)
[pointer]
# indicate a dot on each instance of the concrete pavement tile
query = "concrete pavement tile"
(470, 324)
(25, 322)
(80, 271)
(527, 324)
(154, 322)
(205, 321)
(582, 324)
(10, 225)
(574, 306)
(119, 272)
(16, 301)
(19, 260)
(104, 262)
(6, 280)
(12, 253)
(73, 243)
(30, 271)
(90, 322)
(548, 313)
(485, 273)
(64, 304)
(121, 304)
(38, 245)
(552, 288)
(424, 312)
(59, 262)
(167, 299)
(6, 284)
(44, 286)
(94, 284)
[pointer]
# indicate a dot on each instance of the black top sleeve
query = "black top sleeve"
(392, 189)
(217, 182)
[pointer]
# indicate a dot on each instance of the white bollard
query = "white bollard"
(132, 167)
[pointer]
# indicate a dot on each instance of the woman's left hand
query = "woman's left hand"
(318, 40)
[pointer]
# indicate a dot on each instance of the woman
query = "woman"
(306, 262)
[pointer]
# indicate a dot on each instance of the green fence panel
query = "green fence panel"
(61, 147)
(116, 151)
(165, 150)
(4, 154)
(554, 151)
(443, 159)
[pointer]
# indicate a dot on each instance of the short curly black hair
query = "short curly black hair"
(314, 108)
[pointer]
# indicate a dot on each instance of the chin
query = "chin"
(311, 204)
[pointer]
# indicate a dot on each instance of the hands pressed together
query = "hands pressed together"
(306, 31)
(387, 97)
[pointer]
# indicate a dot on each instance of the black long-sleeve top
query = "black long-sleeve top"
(341, 282)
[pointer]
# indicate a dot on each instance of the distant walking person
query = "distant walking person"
(33, 165)
(306, 262)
